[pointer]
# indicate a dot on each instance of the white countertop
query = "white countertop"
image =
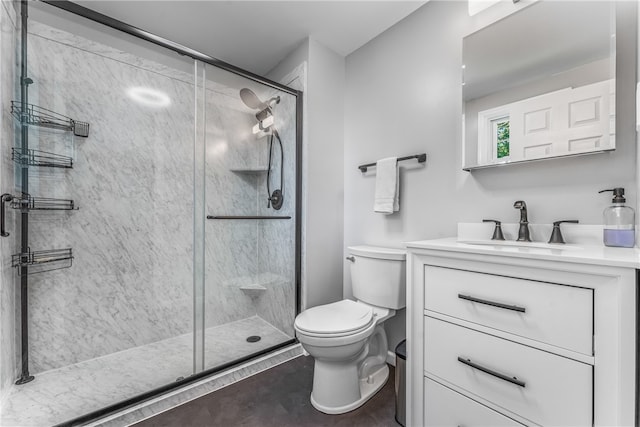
(587, 253)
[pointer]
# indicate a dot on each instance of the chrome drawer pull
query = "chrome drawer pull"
(492, 303)
(512, 380)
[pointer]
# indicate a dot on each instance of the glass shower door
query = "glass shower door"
(250, 229)
(117, 321)
(182, 255)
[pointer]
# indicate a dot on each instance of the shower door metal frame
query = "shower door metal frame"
(25, 376)
(108, 21)
(198, 56)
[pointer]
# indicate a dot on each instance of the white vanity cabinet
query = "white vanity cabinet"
(520, 336)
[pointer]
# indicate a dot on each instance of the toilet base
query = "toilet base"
(368, 387)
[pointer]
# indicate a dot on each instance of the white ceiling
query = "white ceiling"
(257, 35)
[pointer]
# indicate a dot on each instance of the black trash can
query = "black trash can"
(401, 383)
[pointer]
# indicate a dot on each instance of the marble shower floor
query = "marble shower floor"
(62, 394)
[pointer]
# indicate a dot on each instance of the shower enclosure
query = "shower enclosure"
(152, 206)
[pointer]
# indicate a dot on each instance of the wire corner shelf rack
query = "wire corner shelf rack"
(31, 203)
(31, 157)
(44, 260)
(31, 114)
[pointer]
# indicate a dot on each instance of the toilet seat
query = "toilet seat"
(337, 319)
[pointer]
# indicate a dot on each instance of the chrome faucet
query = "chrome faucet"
(523, 232)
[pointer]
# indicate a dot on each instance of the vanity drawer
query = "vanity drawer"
(444, 407)
(542, 387)
(555, 314)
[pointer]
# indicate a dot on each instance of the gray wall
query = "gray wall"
(403, 96)
(323, 166)
(324, 202)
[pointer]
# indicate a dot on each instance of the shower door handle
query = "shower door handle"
(5, 198)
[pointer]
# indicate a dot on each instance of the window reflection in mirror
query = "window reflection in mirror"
(540, 83)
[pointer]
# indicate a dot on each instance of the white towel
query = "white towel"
(387, 198)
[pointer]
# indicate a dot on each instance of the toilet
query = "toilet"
(346, 338)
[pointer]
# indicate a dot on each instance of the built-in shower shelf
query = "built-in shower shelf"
(34, 115)
(30, 157)
(41, 261)
(253, 287)
(254, 290)
(256, 283)
(31, 203)
(251, 171)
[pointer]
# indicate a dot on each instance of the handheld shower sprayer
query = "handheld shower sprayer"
(265, 109)
(265, 123)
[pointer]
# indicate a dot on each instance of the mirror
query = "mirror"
(539, 84)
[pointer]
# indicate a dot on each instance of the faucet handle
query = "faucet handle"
(497, 232)
(556, 234)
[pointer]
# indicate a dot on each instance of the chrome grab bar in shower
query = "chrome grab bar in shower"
(246, 217)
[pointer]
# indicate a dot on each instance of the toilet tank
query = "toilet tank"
(378, 276)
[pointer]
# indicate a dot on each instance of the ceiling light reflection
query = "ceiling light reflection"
(148, 96)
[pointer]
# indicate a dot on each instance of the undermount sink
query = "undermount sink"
(516, 244)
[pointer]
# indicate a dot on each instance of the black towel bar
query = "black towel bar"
(421, 159)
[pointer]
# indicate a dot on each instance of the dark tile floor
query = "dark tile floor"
(276, 397)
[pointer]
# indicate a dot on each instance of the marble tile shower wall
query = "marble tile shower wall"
(230, 246)
(237, 249)
(8, 245)
(131, 282)
(277, 249)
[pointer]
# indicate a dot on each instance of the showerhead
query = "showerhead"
(251, 100)
(265, 112)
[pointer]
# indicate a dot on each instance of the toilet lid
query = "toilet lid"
(338, 317)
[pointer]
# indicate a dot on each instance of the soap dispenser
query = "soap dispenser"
(619, 222)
